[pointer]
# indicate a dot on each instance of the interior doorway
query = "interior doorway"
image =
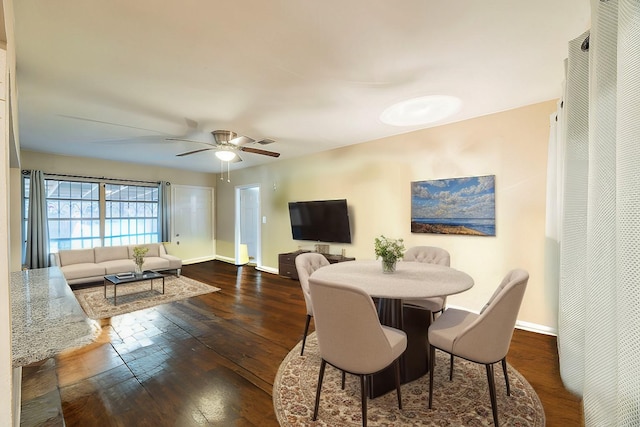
(248, 225)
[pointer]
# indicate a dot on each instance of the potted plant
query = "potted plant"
(390, 250)
(138, 257)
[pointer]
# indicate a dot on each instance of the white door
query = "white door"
(248, 221)
(192, 237)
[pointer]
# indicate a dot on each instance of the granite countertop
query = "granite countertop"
(45, 316)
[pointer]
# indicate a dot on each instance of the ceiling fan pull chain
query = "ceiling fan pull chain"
(221, 170)
(228, 172)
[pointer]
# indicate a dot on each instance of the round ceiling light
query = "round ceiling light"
(421, 111)
(225, 156)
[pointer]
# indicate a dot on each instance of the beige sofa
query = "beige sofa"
(91, 265)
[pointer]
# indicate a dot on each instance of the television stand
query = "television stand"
(287, 262)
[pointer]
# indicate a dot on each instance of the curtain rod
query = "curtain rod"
(26, 172)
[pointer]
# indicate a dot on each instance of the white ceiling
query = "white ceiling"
(113, 79)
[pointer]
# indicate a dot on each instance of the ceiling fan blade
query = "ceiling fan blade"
(259, 151)
(236, 159)
(241, 140)
(187, 140)
(149, 139)
(266, 141)
(194, 151)
(86, 119)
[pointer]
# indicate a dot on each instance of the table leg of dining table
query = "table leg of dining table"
(414, 363)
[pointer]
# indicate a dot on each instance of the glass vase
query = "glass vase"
(138, 270)
(388, 265)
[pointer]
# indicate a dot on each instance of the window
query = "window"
(86, 214)
(73, 212)
(131, 214)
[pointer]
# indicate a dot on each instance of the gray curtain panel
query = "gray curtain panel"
(37, 255)
(164, 211)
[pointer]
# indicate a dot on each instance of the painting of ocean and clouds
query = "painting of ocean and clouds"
(454, 206)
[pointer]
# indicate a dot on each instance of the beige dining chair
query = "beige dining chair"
(307, 263)
(481, 338)
(351, 338)
(430, 255)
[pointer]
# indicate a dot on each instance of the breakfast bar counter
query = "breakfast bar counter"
(45, 316)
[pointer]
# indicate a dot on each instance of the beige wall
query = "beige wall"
(375, 179)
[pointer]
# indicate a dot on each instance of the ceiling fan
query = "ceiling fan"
(227, 144)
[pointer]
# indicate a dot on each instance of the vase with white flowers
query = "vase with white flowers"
(138, 257)
(390, 250)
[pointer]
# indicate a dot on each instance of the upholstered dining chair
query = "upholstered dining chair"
(351, 338)
(481, 338)
(431, 255)
(307, 263)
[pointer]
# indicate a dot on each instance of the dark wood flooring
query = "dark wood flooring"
(212, 359)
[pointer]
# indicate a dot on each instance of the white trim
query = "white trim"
(534, 327)
(267, 269)
(520, 324)
(197, 260)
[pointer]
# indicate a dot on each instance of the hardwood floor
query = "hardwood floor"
(212, 359)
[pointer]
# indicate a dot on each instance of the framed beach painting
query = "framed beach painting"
(454, 206)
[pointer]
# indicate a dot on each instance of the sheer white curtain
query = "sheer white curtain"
(599, 232)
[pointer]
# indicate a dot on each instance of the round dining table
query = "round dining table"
(411, 280)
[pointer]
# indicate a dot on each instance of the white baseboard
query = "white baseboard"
(262, 268)
(534, 327)
(196, 260)
(225, 259)
(520, 324)
(268, 269)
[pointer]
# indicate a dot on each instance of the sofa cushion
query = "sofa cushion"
(156, 263)
(77, 271)
(116, 266)
(110, 253)
(76, 256)
(174, 262)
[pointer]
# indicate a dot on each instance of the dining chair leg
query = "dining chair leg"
(304, 337)
(506, 377)
(343, 379)
(323, 364)
(432, 355)
(363, 396)
(397, 369)
(492, 393)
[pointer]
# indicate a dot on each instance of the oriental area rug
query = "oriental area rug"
(138, 296)
(462, 402)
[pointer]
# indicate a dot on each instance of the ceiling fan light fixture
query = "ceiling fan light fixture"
(421, 111)
(223, 136)
(225, 155)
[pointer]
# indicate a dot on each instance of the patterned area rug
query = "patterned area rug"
(461, 402)
(137, 296)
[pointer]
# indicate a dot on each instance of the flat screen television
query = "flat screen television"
(320, 221)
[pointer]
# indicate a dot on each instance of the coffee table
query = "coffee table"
(123, 279)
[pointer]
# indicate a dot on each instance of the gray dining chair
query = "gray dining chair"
(307, 263)
(351, 338)
(481, 338)
(431, 255)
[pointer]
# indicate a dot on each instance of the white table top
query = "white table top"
(410, 280)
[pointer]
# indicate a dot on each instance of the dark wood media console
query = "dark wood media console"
(287, 262)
